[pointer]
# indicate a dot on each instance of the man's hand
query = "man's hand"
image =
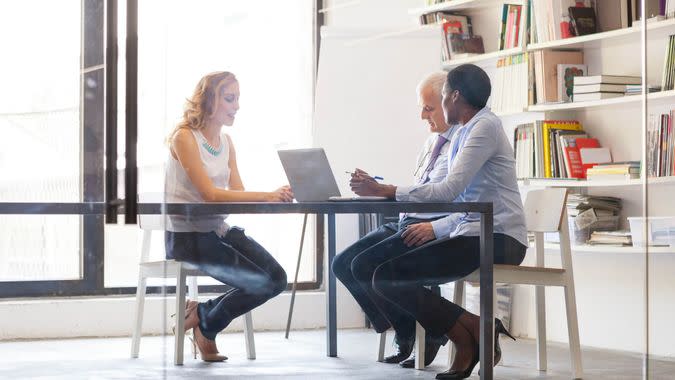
(418, 234)
(362, 183)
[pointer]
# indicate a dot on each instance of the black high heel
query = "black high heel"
(500, 329)
(453, 374)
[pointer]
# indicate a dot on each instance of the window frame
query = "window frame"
(98, 185)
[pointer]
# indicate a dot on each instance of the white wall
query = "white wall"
(610, 287)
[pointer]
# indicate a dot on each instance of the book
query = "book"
(596, 96)
(607, 79)
(600, 87)
(571, 156)
(463, 45)
(546, 143)
(609, 16)
(546, 71)
(582, 21)
(566, 74)
(668, 81)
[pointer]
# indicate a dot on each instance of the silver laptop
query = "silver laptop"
(311, 177)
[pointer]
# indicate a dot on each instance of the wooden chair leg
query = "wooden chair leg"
(540, 303)
(179, 336)
(573, 331)
(193, 288)
(138, 320)
(248, 336)
(382, 342)
(420, 337)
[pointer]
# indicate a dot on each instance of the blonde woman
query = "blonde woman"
(202, 167)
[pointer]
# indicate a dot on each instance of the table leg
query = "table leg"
(331, 315)
(486, 296)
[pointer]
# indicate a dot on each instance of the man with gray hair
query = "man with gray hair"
(355, 265)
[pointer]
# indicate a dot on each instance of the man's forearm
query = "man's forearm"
(388, 191)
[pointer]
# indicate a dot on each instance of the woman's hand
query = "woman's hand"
(282, 194)
(418, 234)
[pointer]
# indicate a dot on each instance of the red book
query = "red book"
(587, 143)
(572, 157)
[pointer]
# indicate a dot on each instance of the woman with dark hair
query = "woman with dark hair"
(481, 169)
(202, 167)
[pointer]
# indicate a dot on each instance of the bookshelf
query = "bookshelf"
(655, 96)
(585, 248)
(597, 40)
(616, 122)
(487, 58)
(572, 183)
(459, 5)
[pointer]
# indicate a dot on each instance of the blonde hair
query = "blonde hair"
(201, 105)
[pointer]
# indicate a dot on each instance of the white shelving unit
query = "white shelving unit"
(486, 58)
(572, 183)
(655, 96)
(600, 39)
(456, 5)
(612, 249)
(597, 46)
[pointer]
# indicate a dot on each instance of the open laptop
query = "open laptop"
(311, 177)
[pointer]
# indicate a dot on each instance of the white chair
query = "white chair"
(183, 273)
(544, 212)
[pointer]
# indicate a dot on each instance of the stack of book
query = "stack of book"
(636, 89)
(509, 29)
(596, 87)
(614, 238)
(589, 213)
(510, 84)
(614, 171)
(661, 145)
(458, 40)
(668, 81)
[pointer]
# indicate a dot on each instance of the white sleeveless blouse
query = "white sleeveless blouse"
(179, 187)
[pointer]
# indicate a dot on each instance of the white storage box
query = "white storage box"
(660, 230)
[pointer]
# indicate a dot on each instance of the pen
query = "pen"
(377, 177)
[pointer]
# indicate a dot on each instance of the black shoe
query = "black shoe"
(403, 350)
(500, 329)
(453, 374)
(430, 351)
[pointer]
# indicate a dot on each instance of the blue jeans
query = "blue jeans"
(355, 266)
(236, 260)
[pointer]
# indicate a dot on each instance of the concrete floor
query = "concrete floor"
(300, 357)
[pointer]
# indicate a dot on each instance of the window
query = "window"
(52, 113)
(268, 45)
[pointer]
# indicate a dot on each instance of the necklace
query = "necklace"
(211, 149)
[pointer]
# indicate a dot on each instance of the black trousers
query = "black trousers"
(401, 280)
(236, 260)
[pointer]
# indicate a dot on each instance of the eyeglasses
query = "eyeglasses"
(420, 163)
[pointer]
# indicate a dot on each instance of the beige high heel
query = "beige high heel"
(207, 357)
(190, 306)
